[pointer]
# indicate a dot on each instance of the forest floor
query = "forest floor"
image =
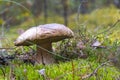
(102, 63)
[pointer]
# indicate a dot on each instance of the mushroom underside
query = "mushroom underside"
(40, 41)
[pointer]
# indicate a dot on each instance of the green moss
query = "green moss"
(74, 69)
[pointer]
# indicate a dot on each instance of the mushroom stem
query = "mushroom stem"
(43, 56)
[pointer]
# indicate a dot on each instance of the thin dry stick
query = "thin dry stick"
(114, 25)
(53, 53)
(78, 13)
(96, 70)
(111, 27)
(22, 6)
(81, 34)
(75, 70)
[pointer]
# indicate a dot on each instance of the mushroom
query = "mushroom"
(43, 36)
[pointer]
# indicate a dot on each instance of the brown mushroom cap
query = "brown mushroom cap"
(44, 33)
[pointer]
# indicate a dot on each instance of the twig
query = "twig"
(78, 11)
(53, 53)
(22, 6)
(2, 30)
(95, 71)
(71, 72)
(114, 25)
(10, 7)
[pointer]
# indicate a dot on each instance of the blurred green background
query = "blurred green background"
(97, 15)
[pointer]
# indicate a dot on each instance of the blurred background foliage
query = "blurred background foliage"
(91, 20)
(15, 12)
(18, 15)
(94, 16)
